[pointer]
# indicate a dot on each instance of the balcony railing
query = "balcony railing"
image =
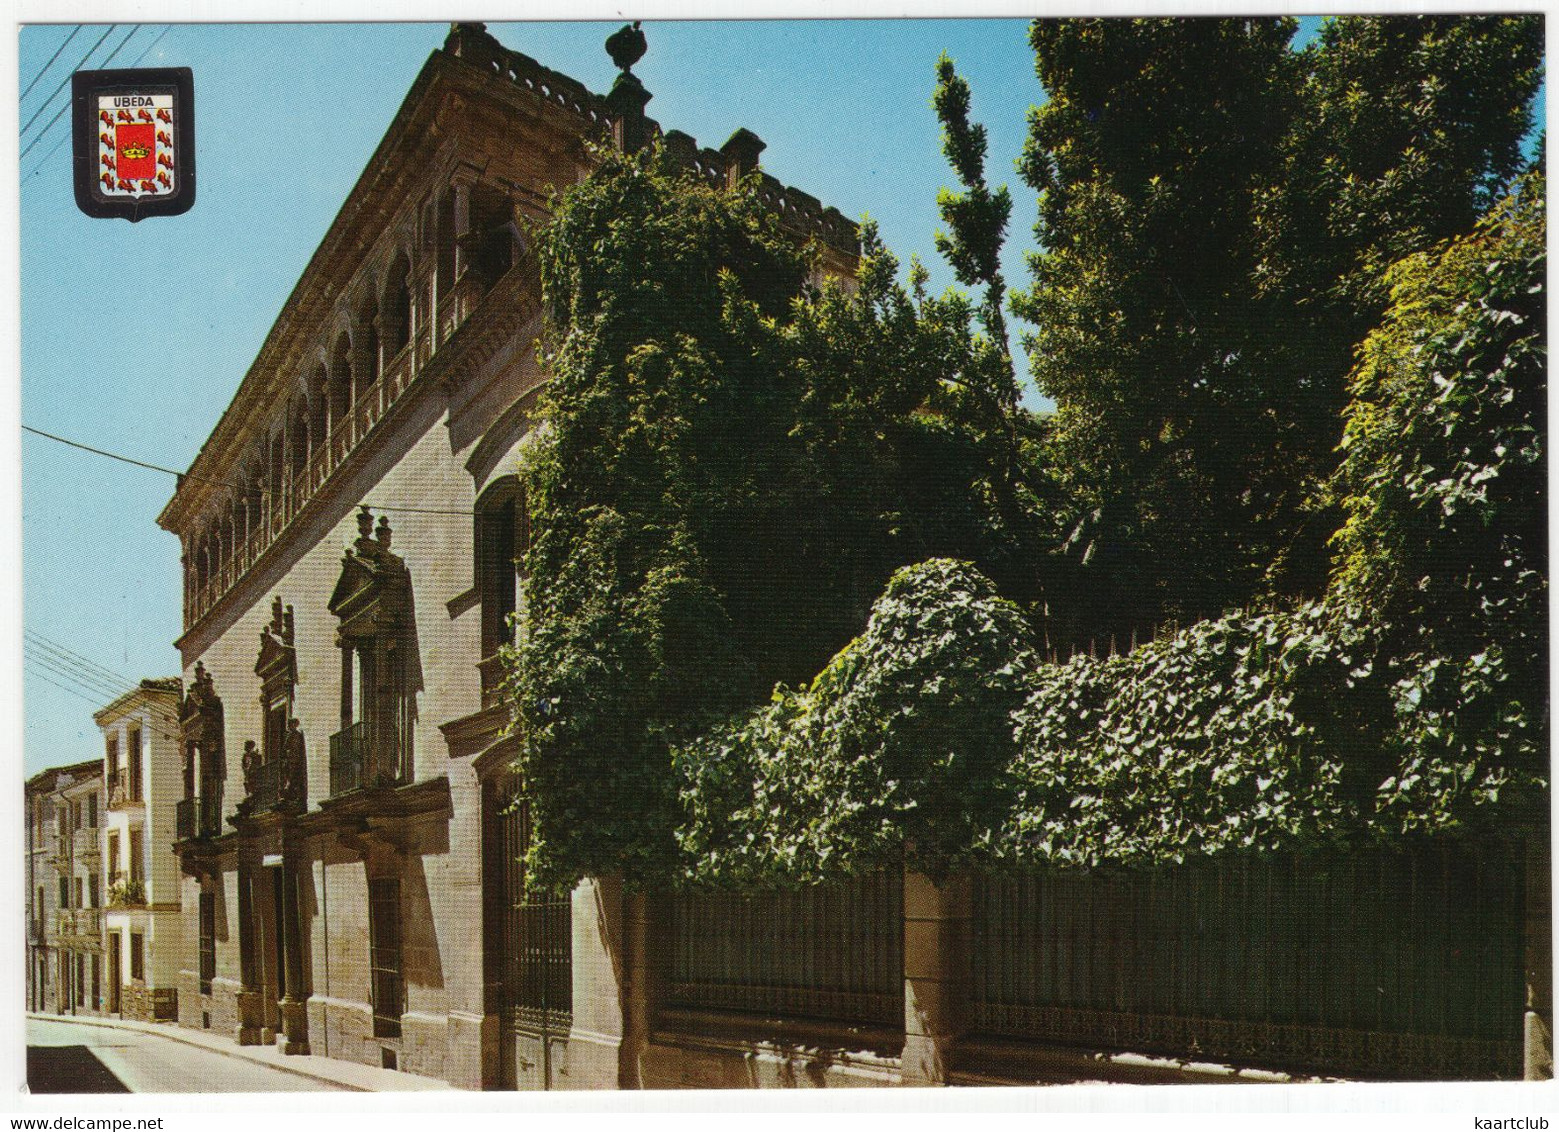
(78, 923)
(348, 759)
(184, 819)
(88, 923)
(198, 817)
(84, 842)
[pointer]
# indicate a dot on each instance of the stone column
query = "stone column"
(936, 974)
(1538, 1030)
(606, 1039)
(294, 1037)
(473, 1061)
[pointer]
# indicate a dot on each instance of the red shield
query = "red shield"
(135, 144)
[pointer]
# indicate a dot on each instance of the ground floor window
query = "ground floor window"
(97, 982)
(208, 940)
(137, 956)
(81, 979)
(387, 989)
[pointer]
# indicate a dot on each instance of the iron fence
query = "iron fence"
(1371, 964)
(831, 952)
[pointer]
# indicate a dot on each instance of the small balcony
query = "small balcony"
(87, 923)
(84, 843)
(267, 787)
(184, 819)
(64, 924)
(198, 818)
(348, 759)
(126, 891)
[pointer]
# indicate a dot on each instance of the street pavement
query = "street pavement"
(73, 1056)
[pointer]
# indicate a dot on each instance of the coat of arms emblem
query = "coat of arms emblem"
(135, 130)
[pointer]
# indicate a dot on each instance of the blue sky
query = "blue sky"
(135, 336)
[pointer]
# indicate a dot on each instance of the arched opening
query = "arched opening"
(341, 391)
(395, 306)
(501, 535)
(298, 438)
(493, 241)
(369, 362)
(319, 415)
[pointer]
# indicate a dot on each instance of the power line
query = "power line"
(96, 691)
(88, 680)
(49, 64)
(41, 134)
(65, 80)
(76, 658)
(215, 483)
(45, 159)
(66, 137)
(96, 702)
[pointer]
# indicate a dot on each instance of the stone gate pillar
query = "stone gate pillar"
(1537, 933)
(609, 1030)
(936, 974)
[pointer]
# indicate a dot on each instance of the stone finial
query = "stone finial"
(276, 615)
(471, 42)
(627, 46)
(286, 626)
(383, 533)
(365, 521)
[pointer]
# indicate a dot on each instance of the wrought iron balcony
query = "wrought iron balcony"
(198, 818)
(84, 842)
(88, 923)
(211, 812)
(266, 794)
(348, 759)
(184, 819)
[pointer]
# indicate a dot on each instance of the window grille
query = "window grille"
(538, 928)
(1371, 964)
(208, 940)
(831, 952)
(384, 956)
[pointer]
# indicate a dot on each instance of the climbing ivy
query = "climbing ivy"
(1410, 701)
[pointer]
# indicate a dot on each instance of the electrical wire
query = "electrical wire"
(97, 695)
(213, 482)
(38, 168)
(58, 114)
(44, 70)
(70, 657)
(98, 704)
(65, 80)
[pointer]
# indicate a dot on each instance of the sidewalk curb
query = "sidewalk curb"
(235, 1052)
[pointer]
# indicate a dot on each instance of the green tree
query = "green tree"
(1443, 482)
(1147, 155)
(1406, 129)
(1216, 214)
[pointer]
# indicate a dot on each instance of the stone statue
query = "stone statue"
(251, 768)
(295, 764)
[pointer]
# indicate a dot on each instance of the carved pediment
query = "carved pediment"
(373, 590)
(277, 666)
(200, 711)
